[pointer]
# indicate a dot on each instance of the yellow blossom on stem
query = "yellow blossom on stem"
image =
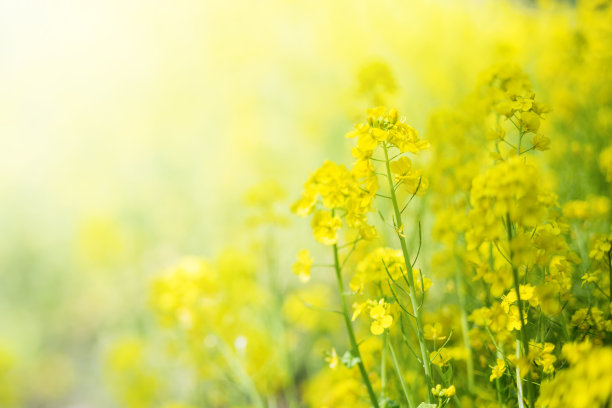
(440, 357)
(325, 227)
(381, 318)
(498, 369)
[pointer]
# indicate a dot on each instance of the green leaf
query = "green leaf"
(426, 405)
(388, 403)
(349, 359)
(448, 375)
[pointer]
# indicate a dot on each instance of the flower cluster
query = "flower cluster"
(587, 383)
(338, 189)
(378, 312)
(384, 126)
(380, 264)
(510, 190)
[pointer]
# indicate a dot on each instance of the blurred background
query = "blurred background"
(131, 131)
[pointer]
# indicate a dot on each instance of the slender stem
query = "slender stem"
(498, 391)
(351, 333)
(519, 387)
(524, 340)
(239, 371)
(383, 372)
(464, 330)
(410, 280)
(279, 322)
(518, 145)
(610, 269)
(400, 376)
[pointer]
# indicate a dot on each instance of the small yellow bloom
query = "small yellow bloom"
(358, 308)
(304, 206)
(382, 319)
(540, 142)
(574, 351)
(325, 227)
(589, 277)
(530, 122)
(440, 392)
(498, 369)
(332, 359)
(481, 316)
(302, 267)
(440, 357)
(433, 332)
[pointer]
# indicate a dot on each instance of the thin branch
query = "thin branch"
(411, 197)
(407, 342)
(319, 309)
(349, 253)
(422, 289)
(398, 301)
(501, 253)
(391, 280)
(443, 345)
(419, 248)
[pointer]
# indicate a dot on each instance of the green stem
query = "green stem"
(400, 376)
(523, 339)
(520, 139)
(410, 279)
(498, 391)
(464, 330)
(610, 270)
(383, 374)
(278, 321)
(239, 371)
(351, 333)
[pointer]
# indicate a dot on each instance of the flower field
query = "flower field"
(306, 204)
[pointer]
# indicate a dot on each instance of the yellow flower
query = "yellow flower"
(332, 359)
(601, 247)
(382, 319)
(425, 285)
(481, 316)
(587, 383)
(358, 308)
(508, 300)
(304, 206)
(527, 293)
(498, 369)
(401, 167)
(514, 319)
(433, 332)
(440, 392)
(589, 277)
(325, 227)
(605, 163)
(302, 267)
(411, 178)
(440, 357)
(540, 142)
(385, 127)
(374, 266)
(541, 353)
(530, 122)
(574, 351)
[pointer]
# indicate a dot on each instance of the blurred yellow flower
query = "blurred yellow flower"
(303, 264)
